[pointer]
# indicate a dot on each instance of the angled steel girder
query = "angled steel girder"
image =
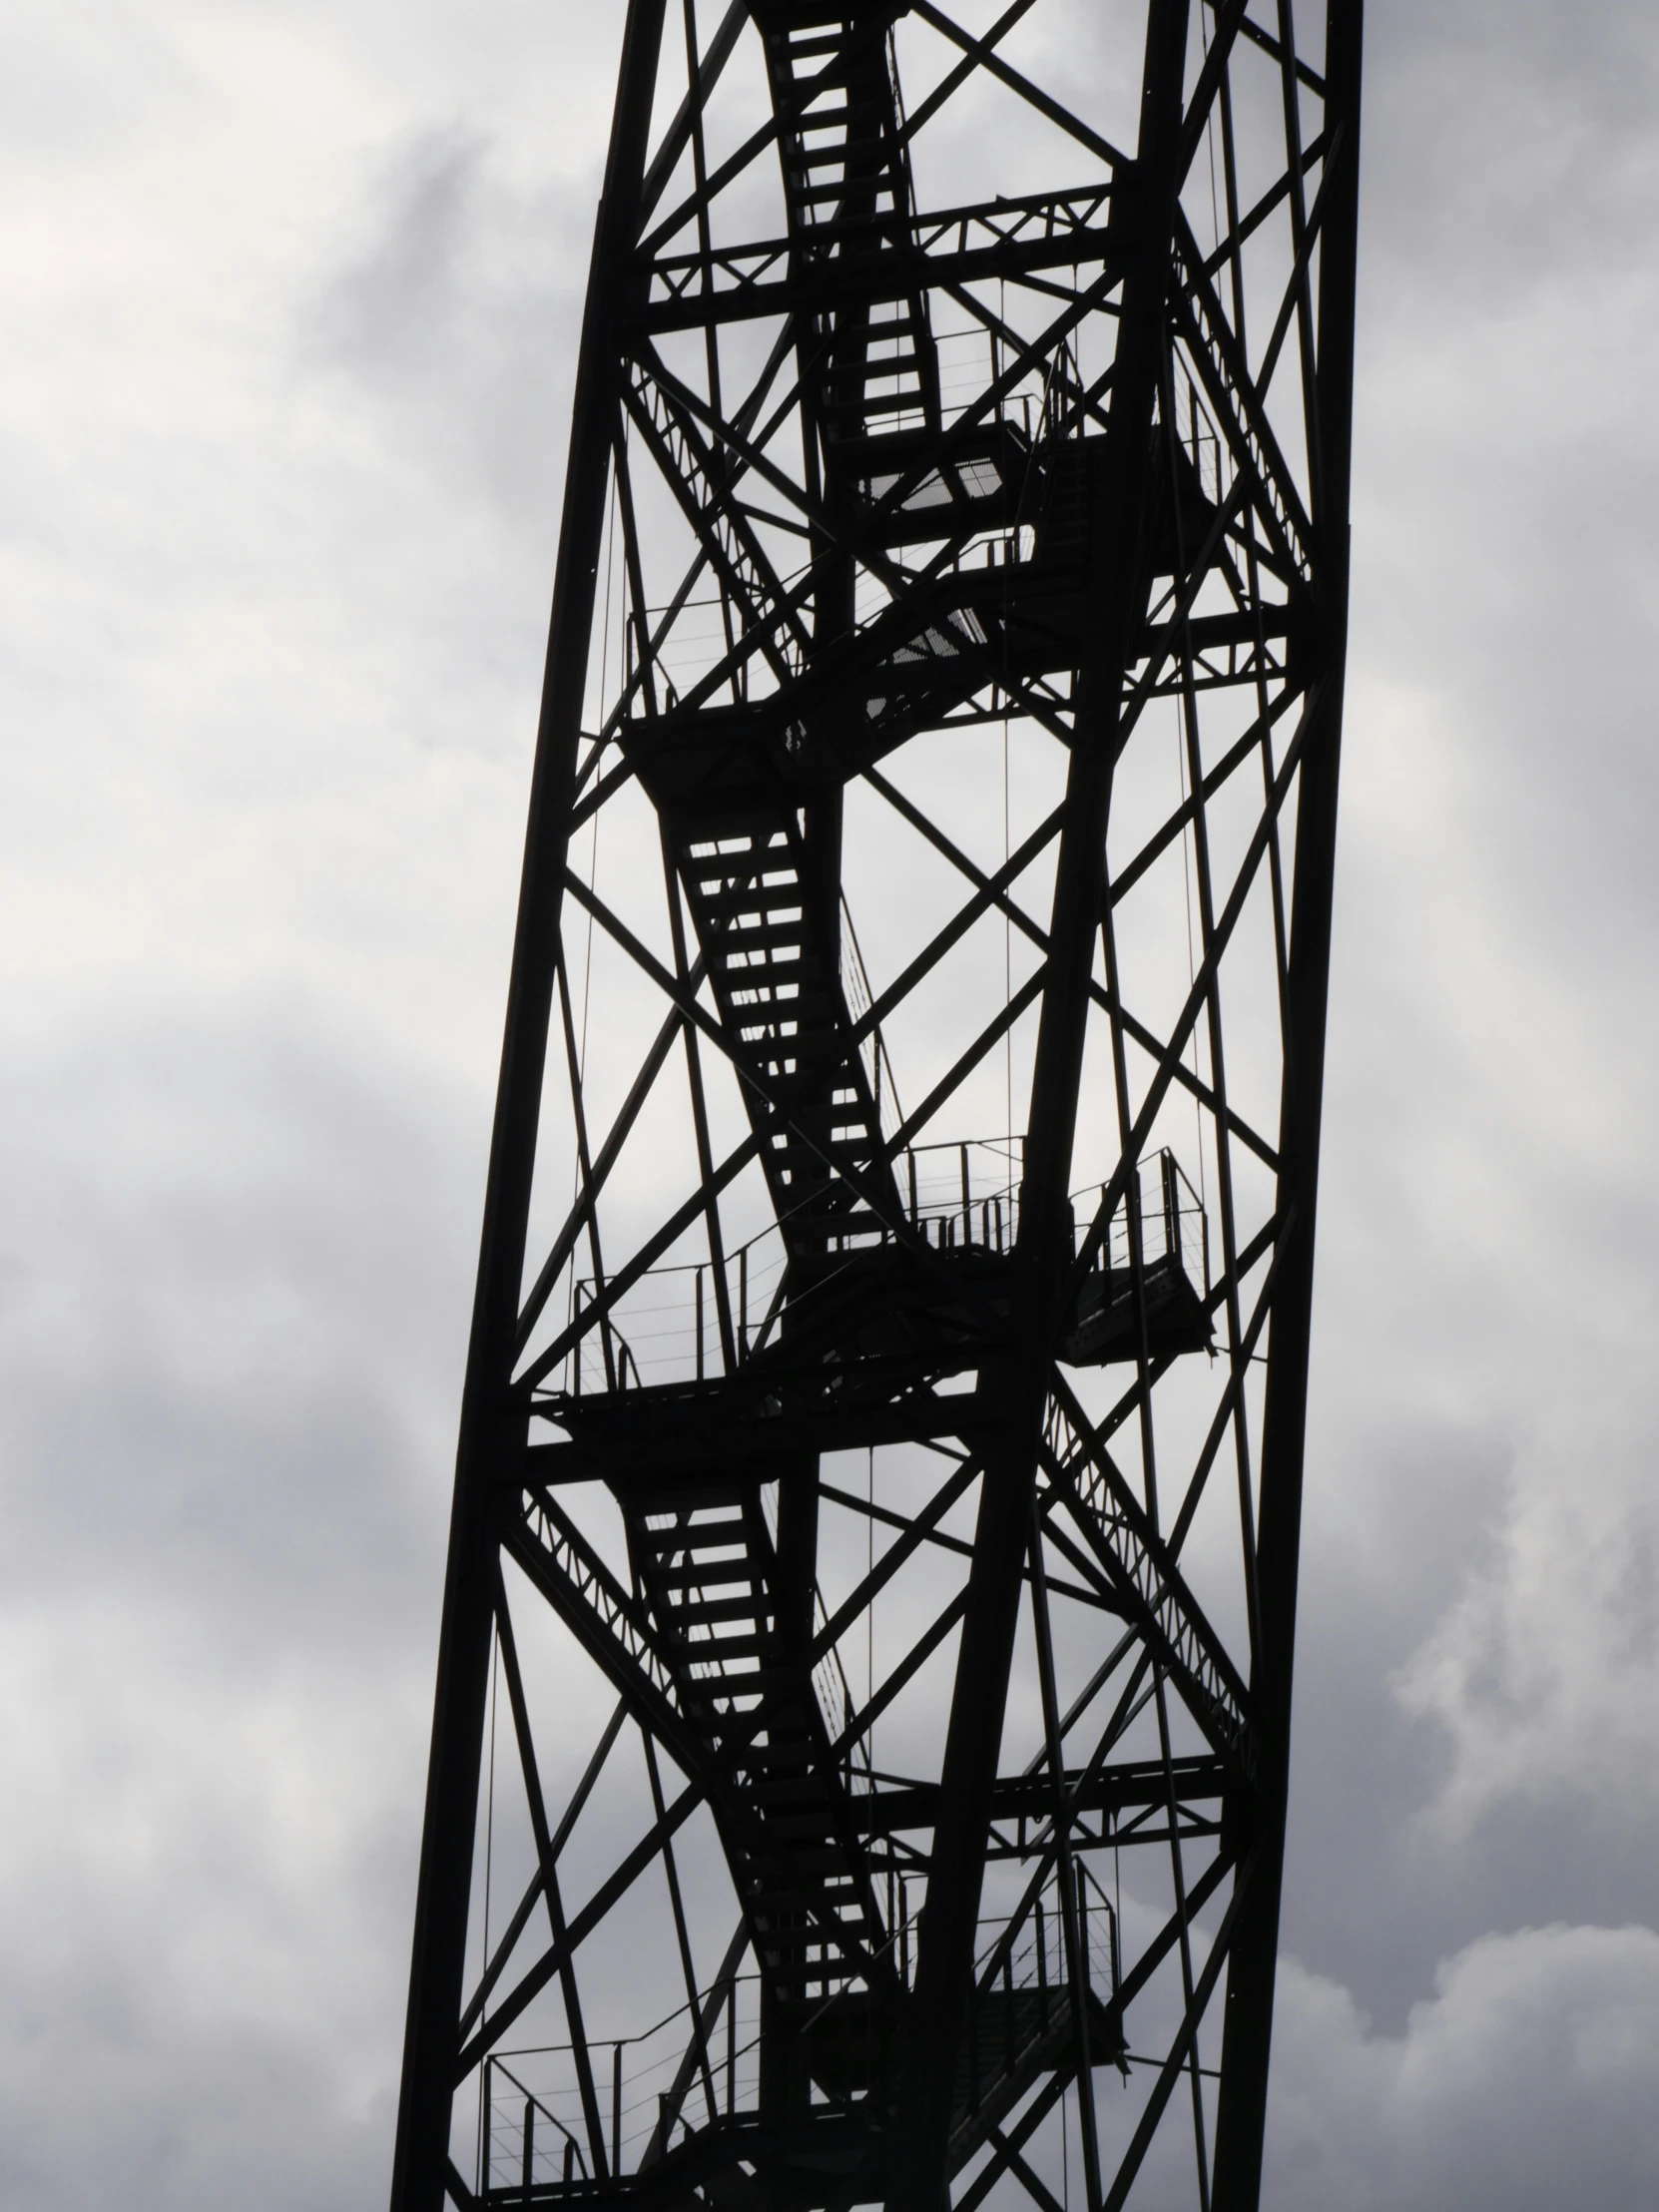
(875, 1526)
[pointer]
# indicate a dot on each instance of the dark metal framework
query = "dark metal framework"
(858, 1767)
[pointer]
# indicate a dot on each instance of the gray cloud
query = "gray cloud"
(235, 1298)
(282, 427)
(458, 312)
(1527, 2079)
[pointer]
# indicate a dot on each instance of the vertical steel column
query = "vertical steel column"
(1247, 2019)
(493, 1429)
(1118, 581)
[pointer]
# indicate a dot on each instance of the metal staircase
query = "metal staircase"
(708, 1571)
(977, 1399)
(771, 937)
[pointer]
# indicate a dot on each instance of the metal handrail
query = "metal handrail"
(957, 1194)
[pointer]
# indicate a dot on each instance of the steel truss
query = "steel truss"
(858, 1767)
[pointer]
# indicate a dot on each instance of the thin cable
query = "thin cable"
(1210, 138)
(1117, 1879)
(1008, 966)
(1007, 922)
(1192, 958)
(870, 1609)
(489, 1845)
(1066, 2148)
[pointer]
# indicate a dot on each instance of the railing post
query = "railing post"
(731, 2046)
(576, 1348)
(527, 2169)
(743, 1302)
(1172, 1219)
(615, 2108)
(967, 1202)
(700, 1325)
(910, 1156)
(1042, 1968)
(487, 2090)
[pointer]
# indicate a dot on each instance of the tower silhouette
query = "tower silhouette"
(859, 1754)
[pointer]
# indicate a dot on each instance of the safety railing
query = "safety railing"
(1116, 1525)
(839, 1708)
(1166, 1222)
(557, 2116)
(668, 1326)
(543, 2131)
(692, 1322)
(872, 1050)
(1198, 438)
(1028, 1949)
(1026, 1984)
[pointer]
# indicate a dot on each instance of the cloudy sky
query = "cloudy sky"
(289, 299)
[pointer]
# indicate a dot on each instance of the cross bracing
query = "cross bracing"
(859, 1754)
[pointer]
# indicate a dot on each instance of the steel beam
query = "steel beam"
(809, 562)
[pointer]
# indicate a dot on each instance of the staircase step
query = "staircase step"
(829, 195)
(811, 161)
(787, 967)
(879, 403)
(743, 935)
(811, 49)
(776, 906)
(724, 1648)
(796, 1797)
(702, 1612)
(695, 1576)
(696, 1535)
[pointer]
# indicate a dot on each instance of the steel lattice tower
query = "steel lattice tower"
(860, 1760)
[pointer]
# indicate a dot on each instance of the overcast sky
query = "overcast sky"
(289, 296)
